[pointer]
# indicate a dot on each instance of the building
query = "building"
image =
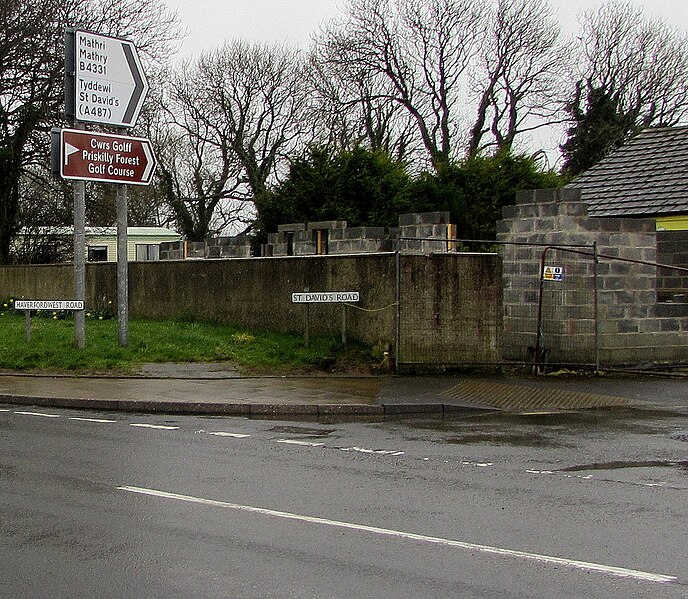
(143, 243)
(617, 238)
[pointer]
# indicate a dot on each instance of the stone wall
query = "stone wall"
(632, 326)
(448, 313)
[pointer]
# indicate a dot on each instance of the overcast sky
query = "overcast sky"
(210, 22)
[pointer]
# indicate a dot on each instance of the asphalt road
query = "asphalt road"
(120, 505)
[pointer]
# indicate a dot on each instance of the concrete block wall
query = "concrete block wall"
(424, 226)
(228, 247)
(299, 239)
(218, 247)
(633, 327)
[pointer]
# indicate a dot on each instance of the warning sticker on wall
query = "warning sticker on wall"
(553, 273)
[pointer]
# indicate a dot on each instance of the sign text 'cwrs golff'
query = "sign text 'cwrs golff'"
(83, 155)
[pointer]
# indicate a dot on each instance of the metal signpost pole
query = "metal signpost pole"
(80, 259)
(122, 264)
(122, 268)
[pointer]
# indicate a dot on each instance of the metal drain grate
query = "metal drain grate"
(522, 397)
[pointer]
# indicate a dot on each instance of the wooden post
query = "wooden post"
(27, 325)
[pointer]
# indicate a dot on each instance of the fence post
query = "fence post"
(307, 321)
(27, 325)
(397, 324)
(597, 311)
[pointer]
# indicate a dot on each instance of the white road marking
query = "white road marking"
(156, 426)
(225, 434)
(548, 559)
(539, 471)
(38, 414)
(478, 464)
(375, 451)
(99, 420)
(295, 442)
(4, 410)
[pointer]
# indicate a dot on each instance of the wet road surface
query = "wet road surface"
(541, 505)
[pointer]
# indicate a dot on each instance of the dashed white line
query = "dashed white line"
(98, 420)
(304, 443)
(375, 451)
(225, 434)
(536, 557)
(161, 427)
(41, 414)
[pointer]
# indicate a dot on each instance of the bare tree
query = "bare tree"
(199, 175)
(519, 70)
(236, 115)
(641, 64)
(423, 48)
(349, 107)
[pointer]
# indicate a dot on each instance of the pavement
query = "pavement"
(219, 389)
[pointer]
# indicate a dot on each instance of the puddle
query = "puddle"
(514, 439)
(303, 430)
(683, 465)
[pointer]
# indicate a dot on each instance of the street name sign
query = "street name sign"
(88, 156)
(325, 297)
(48, 305)
(105, 81)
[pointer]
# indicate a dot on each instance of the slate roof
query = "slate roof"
(647, 176)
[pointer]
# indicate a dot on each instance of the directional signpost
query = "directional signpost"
(105, 80)
(104, 84)
(88, 156)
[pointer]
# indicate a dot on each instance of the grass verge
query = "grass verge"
(52, 347)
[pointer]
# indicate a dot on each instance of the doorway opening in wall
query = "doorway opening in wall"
(321, 239)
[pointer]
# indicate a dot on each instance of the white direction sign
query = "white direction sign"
(48, 305)
(109, 83)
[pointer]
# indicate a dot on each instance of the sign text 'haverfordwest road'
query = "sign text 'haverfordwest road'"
(48, 305)
(102, 157)
(105, 80)
(325, 297)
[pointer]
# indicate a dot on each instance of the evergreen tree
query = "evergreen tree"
(360, 186)
(599, 127)
(475, 190)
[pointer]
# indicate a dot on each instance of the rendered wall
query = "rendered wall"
(451, 304)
